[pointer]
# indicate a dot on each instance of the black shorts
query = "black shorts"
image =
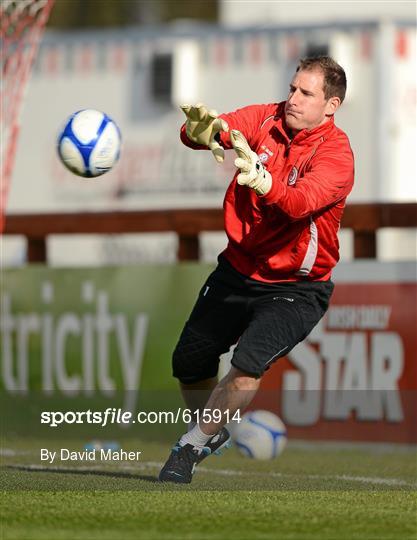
(266, 320)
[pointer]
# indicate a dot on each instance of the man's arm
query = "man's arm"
(247, 120)
(329, 180)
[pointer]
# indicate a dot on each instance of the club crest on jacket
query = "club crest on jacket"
(292, 177)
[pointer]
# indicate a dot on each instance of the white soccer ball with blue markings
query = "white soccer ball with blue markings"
(89, 144)
(260, 435)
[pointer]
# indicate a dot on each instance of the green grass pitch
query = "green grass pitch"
(310, 492)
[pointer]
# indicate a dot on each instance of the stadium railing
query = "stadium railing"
(364, 219)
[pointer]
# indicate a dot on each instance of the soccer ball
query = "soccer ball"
(260, 435)
(89, 144)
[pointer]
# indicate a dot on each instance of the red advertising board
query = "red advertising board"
(355, 377)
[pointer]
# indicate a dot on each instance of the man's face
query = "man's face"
(306, 106)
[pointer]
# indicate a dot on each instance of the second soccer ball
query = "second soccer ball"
(260, 435)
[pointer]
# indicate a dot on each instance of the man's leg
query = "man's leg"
(217, 320)
(234, 392)
(196, 395)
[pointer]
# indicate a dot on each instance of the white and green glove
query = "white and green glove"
(202, 126)
(253, 174)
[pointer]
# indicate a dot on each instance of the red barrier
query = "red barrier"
(355, 377)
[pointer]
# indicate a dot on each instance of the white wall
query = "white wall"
(233, 69)
(267, 12)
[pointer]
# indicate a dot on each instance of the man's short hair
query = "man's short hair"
(334, 75)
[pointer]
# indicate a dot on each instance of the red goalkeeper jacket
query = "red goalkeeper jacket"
(289, 234)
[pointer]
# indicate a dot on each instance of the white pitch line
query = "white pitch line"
(230, 472)
(343, 477)
(9, 452)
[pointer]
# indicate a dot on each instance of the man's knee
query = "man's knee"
(195, 359)
(241, 380)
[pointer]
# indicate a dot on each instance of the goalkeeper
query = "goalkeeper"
(272, 285)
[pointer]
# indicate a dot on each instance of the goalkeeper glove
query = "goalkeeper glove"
(202, 126)
(253, 174)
